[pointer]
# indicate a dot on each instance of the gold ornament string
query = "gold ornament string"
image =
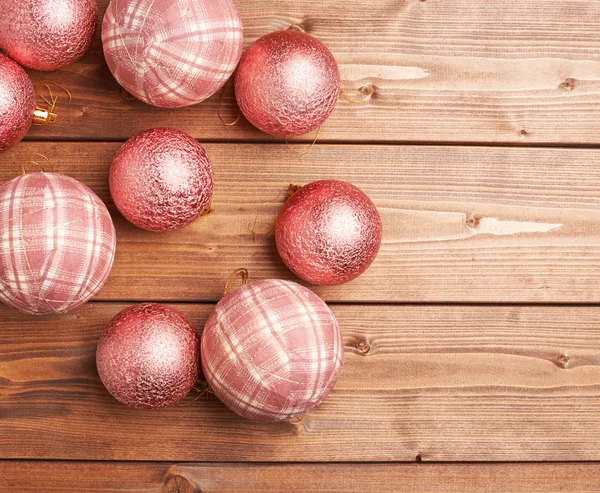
(237, 274)
(44, 115)
(40, 166)
(252, 227)
(228, 124)
(201, 387)
(350, 100)
(305, 151)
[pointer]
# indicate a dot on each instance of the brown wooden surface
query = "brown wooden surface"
(496, 356)
(451, 383)
(461, 224)
(460, 71)
(78, 477)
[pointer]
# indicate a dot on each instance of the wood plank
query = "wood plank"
(442, 383)
(461, 224)
(75, 477)
(461, 71)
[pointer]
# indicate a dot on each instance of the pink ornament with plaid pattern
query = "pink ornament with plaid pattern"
(271, 350)
(172, 53)
(58, 243)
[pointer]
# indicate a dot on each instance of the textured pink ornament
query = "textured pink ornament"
(47, 34)
(328, 232)
(148, 356)
(58, 243)
(172, 53)
(287, 83)
(161, 179)
(271, 350)
(17, 103)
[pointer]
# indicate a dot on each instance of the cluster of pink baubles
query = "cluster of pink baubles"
(272, 349)
(169, 54)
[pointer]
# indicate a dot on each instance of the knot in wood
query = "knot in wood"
(367, 90)
(363, 347)
(179, 484)
(567, 84)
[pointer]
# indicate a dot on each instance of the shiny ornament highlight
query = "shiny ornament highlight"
(148, 356)
(328, 232)
(172, 53)
(271, 350)
(287, 83)
(47, 34)
(58, 243)
(17, 103)
(161, 179)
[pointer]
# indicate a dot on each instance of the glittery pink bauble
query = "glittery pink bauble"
(172, 53)
(328, 232)
(148, 356)
(58, 243)
(17, 102)
(287, 83)
(161, 179)
(272, 350)
(47, 34)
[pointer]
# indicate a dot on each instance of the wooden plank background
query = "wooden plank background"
(461, 224)
(103, 477)
(421, 382)
(472, 343)
(460, 71)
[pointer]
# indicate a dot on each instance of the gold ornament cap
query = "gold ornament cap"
(43, 116)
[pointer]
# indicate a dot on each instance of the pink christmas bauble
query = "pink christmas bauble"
(58, 243)
(47, 34)
(17, 103)
(148, 356)
(172, 53)
(271, 350)
(287, 83)
(328, 232)
(161, 179)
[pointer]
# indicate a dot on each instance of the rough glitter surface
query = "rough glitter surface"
(58, 243)
(17, 102)
(287, 83)
(161, 179)
(148, 356)
(47, 34)
(272, 350)
(328, 232)
(172, 53)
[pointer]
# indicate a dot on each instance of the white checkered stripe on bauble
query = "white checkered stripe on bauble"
(57, 243)
(172, 53)
(272, 350)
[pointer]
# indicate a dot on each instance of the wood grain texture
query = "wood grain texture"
(461, 224)
(437, 383)
(461, 71)
(77, 477)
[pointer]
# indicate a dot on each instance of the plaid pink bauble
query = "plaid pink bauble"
(58, 243)
(271, 350)
(172, 53)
